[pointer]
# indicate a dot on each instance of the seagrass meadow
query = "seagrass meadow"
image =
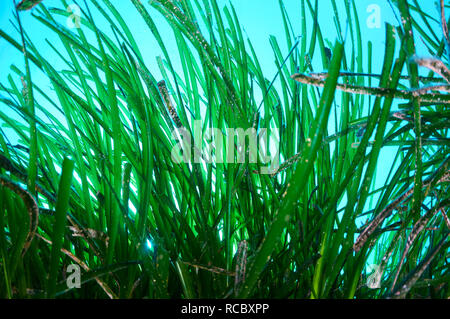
(358, 207)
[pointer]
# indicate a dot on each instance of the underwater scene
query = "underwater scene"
(238, 149)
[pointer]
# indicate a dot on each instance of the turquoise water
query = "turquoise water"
(260, 19)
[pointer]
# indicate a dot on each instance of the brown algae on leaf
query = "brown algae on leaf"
(25, 5)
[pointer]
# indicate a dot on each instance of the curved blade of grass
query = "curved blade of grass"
(62, 206)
